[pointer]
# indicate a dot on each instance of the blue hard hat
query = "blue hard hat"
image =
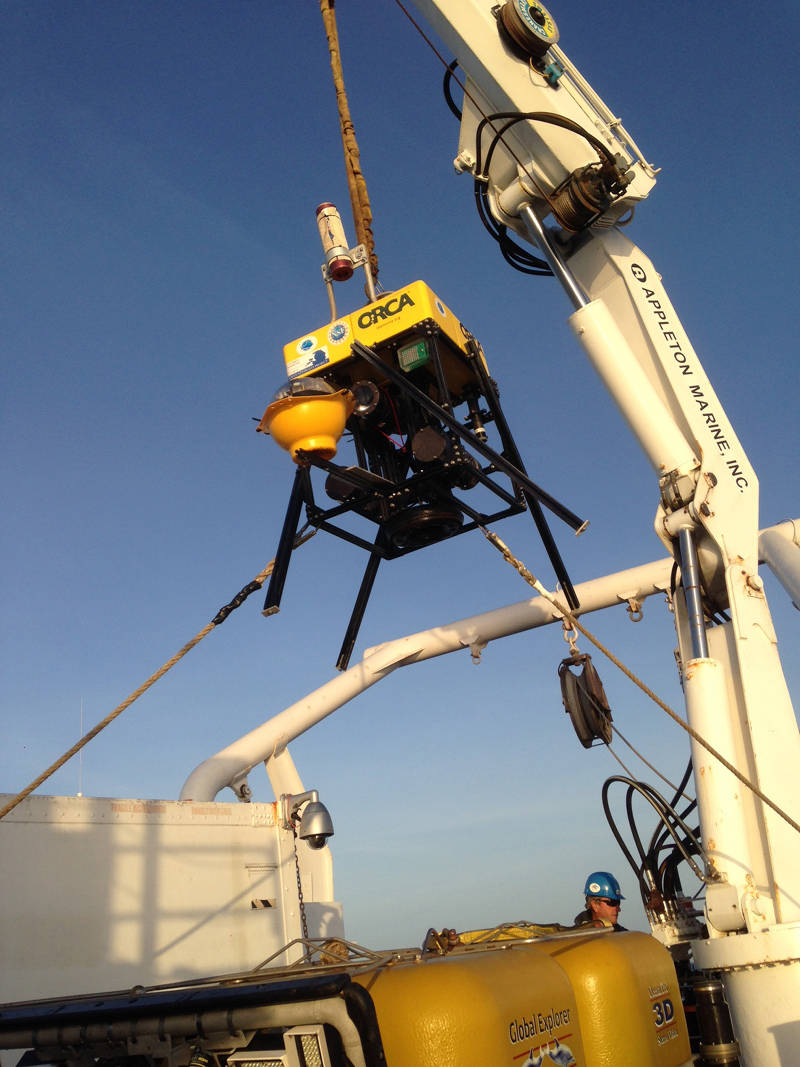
(602, 884)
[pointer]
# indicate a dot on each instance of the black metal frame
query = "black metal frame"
(377, 498)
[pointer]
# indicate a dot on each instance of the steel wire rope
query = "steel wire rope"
(619, 760)
(554, 119)
(566, 614)
(515, 255)
(463, 87)
(655, 770)
(218, 619)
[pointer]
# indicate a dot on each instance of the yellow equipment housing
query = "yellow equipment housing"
(308, 423)
(396, 319)
(599, 999)
(518, 996)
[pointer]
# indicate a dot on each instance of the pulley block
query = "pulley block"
(585, 700)
(529, 25)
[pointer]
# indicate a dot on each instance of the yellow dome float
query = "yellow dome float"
(308, 416)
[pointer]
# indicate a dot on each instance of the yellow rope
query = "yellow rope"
(257, 582)
(570, 618)
(356, 183)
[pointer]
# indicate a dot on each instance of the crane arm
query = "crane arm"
(552, 163)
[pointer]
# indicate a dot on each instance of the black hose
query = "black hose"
(447, 88)
(515, 255)
(686, 842)
(536, 116)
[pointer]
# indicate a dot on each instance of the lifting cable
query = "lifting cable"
(218, 619)
(356, 183)
(475, 103)
(568, 616)
(645, 761)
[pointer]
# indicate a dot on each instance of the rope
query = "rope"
(218, 619)
(356, 183)
(567, 614)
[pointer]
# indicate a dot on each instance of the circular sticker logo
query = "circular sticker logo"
(338, 332)
(638, 272)
(440, 307)
(594, 887)
(306, 344)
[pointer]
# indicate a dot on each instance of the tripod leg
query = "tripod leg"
(358, 612)
(283, 555)
(510, 449)
(551, 548)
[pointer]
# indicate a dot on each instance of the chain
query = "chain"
(570, 635)
(303, 919)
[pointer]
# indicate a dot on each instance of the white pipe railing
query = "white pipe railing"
(271, 738)
(779, 548)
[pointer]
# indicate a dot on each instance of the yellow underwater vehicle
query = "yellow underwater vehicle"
(516, 996)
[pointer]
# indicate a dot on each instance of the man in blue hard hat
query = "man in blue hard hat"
(603, 900)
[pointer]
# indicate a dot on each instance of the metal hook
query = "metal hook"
(570, 635)
(476, 649)
(635, 612)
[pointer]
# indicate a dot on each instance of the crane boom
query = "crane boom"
(546, 182)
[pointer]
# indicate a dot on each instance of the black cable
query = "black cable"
(686, 842)
(643, 856)
(715, 615)
(682, 785)
(446, 86)
(670, 879)
(536, 116)
(618, 836)
(513, 261)
(661, 840)
(657, 841)
(515, 255)
(495, 228)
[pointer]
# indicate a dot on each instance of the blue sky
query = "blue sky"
(162, 166)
